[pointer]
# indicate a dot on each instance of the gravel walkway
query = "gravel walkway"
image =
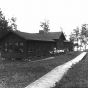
(49, 80)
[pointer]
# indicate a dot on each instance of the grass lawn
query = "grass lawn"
(76, 77)
(19, 74)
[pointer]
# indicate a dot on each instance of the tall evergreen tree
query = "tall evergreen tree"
(3, 24)
(6, 25)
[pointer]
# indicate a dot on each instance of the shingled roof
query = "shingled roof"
(50, 36)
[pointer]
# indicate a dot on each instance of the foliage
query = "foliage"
(3, 24)
(45, 26)
(13, 23)
(84, 34)
(64, 34)
(72, 39)
(76, 35)
(80, 35)
(6, 25)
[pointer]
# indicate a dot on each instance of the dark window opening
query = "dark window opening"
(31, 48)
(19, 47)
(5, 47)
(16, 47)
(8, 47)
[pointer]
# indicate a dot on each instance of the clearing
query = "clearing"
(76, 77)
(19, 74)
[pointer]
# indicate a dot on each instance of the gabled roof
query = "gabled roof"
(50, 36)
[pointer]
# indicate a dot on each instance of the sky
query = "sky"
(65, 14)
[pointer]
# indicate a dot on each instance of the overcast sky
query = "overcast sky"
(67, 14)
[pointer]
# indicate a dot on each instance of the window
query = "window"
(16, 47)
(8, 47)
(19, 47)
(29, 48)
(6, 44)
(16, 44)
(21, 44)
(5, 47)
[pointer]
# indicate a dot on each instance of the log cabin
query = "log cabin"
(17, 44)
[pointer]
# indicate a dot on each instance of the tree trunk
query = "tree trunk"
(77, 44)
(85, 47)
(80, 45)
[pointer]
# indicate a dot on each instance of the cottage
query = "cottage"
(16, 44)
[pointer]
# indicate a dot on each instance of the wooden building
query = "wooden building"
(16, 44)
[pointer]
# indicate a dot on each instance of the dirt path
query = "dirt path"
(49, 80)
(44, 59)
